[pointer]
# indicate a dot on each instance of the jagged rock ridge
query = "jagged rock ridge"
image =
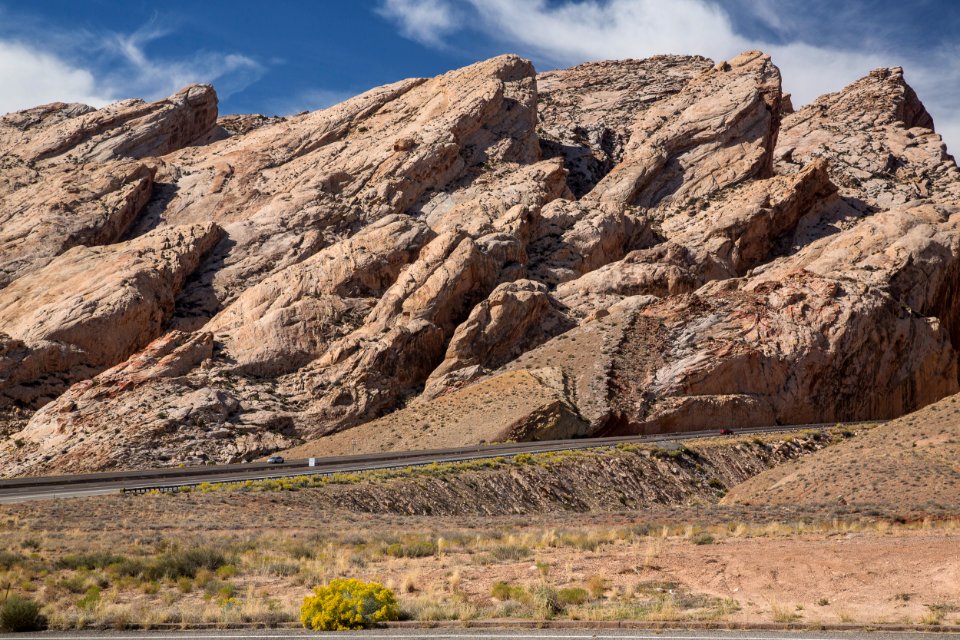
(620, 247)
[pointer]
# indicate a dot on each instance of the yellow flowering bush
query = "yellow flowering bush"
(346, 604)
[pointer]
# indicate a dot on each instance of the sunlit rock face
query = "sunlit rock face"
(621, 247)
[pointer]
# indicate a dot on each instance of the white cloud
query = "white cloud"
(107, 67)
(426, 21)
(937, 82)
(573, 32)
(809, 72)
(566, 33)
(30, 77)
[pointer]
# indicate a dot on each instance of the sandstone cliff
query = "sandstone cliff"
(620, 247)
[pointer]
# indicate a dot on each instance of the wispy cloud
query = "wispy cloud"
(566, 33)
(427, 21)
(136, 71)
(39, 65)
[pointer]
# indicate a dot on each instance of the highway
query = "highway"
(169, 479)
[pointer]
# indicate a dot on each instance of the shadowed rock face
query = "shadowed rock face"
(621, 247)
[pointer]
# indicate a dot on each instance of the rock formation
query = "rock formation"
(621, 247)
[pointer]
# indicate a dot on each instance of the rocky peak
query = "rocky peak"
(621, 247)
(586, 112)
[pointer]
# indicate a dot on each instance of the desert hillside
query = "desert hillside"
(622, 247)
(912, 463)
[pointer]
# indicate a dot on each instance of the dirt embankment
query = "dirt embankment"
(912, 463)
(627, 477)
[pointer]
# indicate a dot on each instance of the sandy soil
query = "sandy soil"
(752, 566)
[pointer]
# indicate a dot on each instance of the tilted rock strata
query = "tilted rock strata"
(285, 190)
(67, 177)
(621, 247)
(92, 307)
(291, 317)
(586, 112)
(157, 413)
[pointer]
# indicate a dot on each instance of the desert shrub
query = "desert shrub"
(597, 586)
(506, 552)
(580, 541)
(89, 561)
(90, 598)
(545, 601)
(573, 595)
(703, 538)
(284, 568)
(74, 584)
(203, 578)
(21, 614)
(226, 572)
(30, 543)
(414, 549)
(226, 591)
(504, 591)
(184, 563)
(301, 552)
(131, 567)
(346, 604)
(8, 559)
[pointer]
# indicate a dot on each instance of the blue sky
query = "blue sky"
(284, 57)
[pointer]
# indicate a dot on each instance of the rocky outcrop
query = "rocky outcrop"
(704, 241)
(90, 308)
(66, 208)
(716, 132)
(290, 318)
(65, 175)
(147, 411)
(285, 190)
(621, 247)
(586, 112)
(514, 318)
(530, 404)
(69, 133)
(719, 130)
(597, 481)
(403, 336)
